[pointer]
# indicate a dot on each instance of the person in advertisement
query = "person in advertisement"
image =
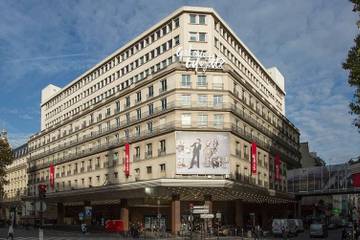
(196, 153)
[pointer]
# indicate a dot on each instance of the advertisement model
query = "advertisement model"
(202, 153)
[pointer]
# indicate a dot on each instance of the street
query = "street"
(32, 234)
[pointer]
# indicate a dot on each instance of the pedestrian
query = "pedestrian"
(11, 232)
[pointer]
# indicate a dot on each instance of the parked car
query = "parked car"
(299, 225)
(293, 230)
(318, 230)
(278, 226)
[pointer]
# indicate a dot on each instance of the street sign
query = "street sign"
(207, 215)
(201, 207)
(37, 206)
(200, 211)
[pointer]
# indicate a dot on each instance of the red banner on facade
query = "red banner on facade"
(253, 158)
(356, 179)
(127, 160)
(277, 167)
(52, 176)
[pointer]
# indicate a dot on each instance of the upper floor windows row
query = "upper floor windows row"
(144, 42)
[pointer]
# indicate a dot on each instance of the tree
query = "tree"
(6, 158)
(352, 64)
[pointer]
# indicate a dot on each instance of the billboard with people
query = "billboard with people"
(202, 153)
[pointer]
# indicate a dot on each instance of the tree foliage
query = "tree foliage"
(6, 158)
(352, 64)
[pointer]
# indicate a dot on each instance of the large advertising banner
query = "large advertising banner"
(202, 153)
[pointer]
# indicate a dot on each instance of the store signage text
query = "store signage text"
(199, 59)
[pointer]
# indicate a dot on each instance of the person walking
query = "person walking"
(11, 232)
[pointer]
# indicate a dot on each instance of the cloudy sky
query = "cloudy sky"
(44, 42)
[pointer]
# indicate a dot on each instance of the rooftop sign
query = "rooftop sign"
(199, 59)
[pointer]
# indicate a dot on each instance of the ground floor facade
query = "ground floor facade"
(169, 204)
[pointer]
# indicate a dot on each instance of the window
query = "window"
(218, 100)
(185, 100)
(218, 120)
(202, 19)
(185, 81)
(201, 80)
(176, 40)
(117, 121)
(108, 112)
(176, 22)
(151, 91)
(186, 119)
(202, 100)
(162, 167)
(117, 109)
(202, 37)
(202, 119)
(193, 36)
(149, 169)
(138, 97)
(115, 156)
(151, 108)
(192, 18)
(163, 146)
(148, 150)
(150, 127)
(127, 101)
(163, 103)
(138, 113)
(163, 85)
(127, 117)
(137, 152)
(137, 131)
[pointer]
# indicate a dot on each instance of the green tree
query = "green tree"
(352, 64)
(6, 158)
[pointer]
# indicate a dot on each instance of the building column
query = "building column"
(208, 202)
(60, 213)
(239, 212)
(175, 215)
(124, 213)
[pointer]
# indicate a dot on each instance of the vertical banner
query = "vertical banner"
(277, 167)
(52, 176)
(127, 160)
(253, 158)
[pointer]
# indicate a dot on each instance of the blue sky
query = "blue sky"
(44, 42)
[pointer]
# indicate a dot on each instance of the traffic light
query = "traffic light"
(42, 190)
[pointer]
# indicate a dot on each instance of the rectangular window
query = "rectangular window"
(149, 150)
(164, 104)
(150, 127)
(138, 113)
(193, 36)
(185, 81)
(137, 131)
(137, 152)
(201, 80)
(186, 100)
(127, 101)
(192, 18)
(202, 100)
(202, 37)
(149, 169)
(162, 167)
(163, 85)
(138, 97)
(151, 91)
(202, 119)
(202, 19)
(127, 117)
(176, 40)
(186, 119)
(218, 100)
(162, 146)
(151, 108)
(218, 120)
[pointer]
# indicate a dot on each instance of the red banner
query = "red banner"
(127, 160)
(356, 179)
(277, 167)
(253, 158)
(52, 176)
